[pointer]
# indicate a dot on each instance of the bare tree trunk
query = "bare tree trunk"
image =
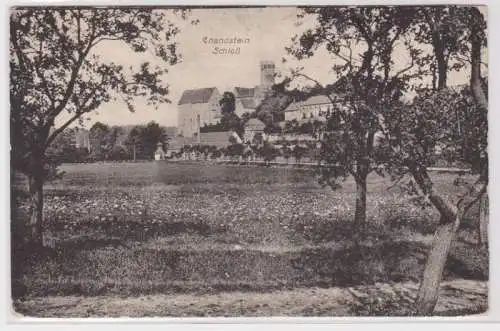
(429, 286)
(480, 95)
(439, 49)
(442, 67)
(451, 217)
(35, 225)
(360, 212)
(483, 220)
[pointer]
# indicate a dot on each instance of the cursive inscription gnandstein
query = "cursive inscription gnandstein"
(226, 45)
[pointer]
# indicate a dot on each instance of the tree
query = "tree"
(272, 128)
(235, 150)
(299, 152)
(133, 142)
(414, 132)
(270, 110)
(63, 149)
(118, 153)
(229, 119)
(268, 152)
(246, 116)
(247, 152)
(227, 103)
(438, 27)
(475, 154)
(367, 85)
(286, 151)
(151, 135)
(291, 127)
(421, 128)
(216, 153)
(55, 71)
(100, 144)
(143, 140)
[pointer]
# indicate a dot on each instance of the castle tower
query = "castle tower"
(267, 71)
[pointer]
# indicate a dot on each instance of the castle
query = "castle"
(200, 107)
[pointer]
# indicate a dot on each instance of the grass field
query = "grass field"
(167, 230)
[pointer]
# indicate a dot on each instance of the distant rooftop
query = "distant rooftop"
(255, 124)
(248, 103)
(244, 92)
(217, 139)
(201, 95)
(314, 100)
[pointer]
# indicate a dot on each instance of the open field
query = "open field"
(190, 230)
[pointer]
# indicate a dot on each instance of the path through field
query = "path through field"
(457, 297)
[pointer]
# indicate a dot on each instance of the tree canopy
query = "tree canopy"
(56, 75)
(54, 69)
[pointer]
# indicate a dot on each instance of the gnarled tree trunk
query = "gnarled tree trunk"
(428, 292)
(360, 212)
(36, 178)
(483, 220)
(451, 216)
(35, 236)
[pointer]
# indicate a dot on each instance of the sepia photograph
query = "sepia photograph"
(248, 161)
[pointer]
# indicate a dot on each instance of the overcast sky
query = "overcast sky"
(269, 31)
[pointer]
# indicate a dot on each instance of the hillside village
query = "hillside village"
(265, 125)
(287, 130)
(288, 127)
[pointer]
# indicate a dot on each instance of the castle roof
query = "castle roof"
(201, 95)
(217, 139)
(177, 143)
(244, 92)
(255, 124)
(314, 100)
(248, 103)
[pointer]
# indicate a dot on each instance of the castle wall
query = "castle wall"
(267, 71)
(193, 116)
(240, 109)
(308, 111)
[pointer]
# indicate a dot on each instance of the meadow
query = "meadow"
(231, 235)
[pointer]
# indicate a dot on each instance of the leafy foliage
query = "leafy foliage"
(271, 108)
(268, 151)
(144, 139)
(368, 85)
(446, 122)
(54, 68)
(229, 120)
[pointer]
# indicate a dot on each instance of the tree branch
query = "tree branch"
(45, 84)
(72, 82)
(56, 132)
(424, 182)
(475, 192)
(405, 69)
(17, 49)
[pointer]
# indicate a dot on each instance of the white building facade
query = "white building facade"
(315, 107)
(200, 107)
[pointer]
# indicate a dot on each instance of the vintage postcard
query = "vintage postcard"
(249, 161)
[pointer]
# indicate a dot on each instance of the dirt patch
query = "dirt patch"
(377, 299)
